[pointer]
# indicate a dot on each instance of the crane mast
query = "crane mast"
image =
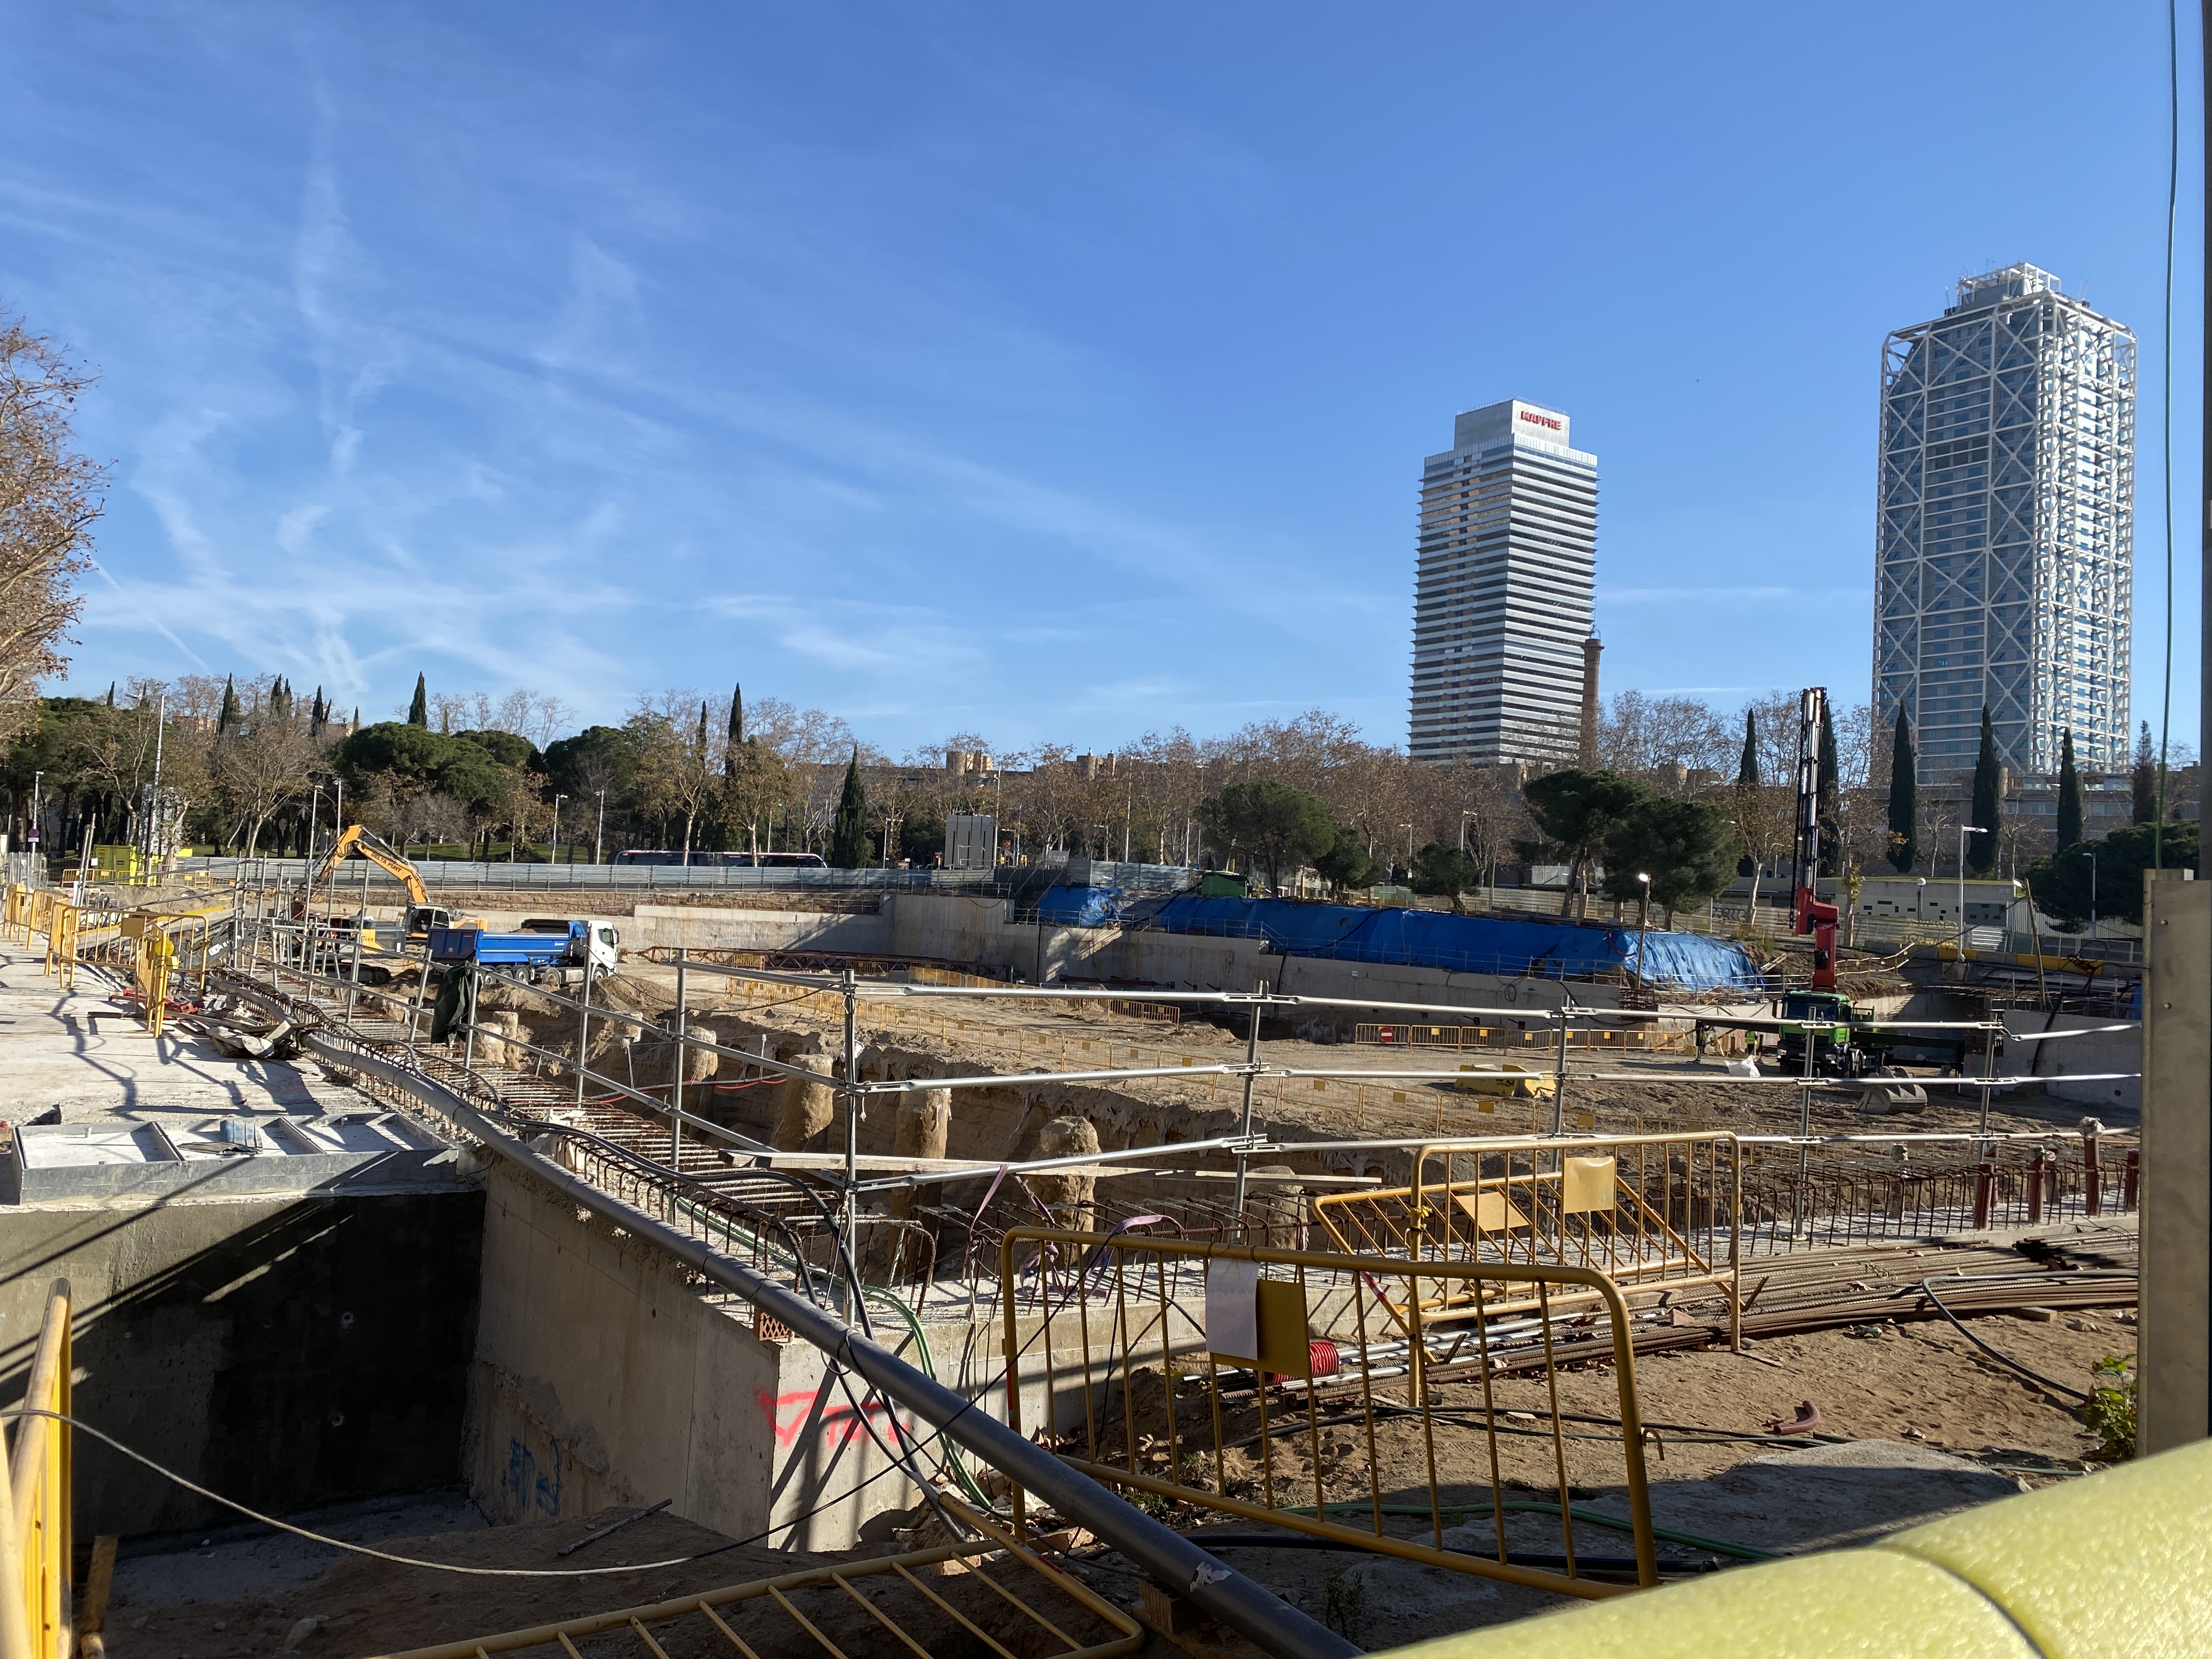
(1809, 914)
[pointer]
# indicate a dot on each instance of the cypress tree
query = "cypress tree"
(1746, 780)
(2142, 779)
(227, 720)
(1903, 800)
(848, 830)
(2069, 796)
(737, 733)
(418, 712)
(111, 693)
(1982, 850)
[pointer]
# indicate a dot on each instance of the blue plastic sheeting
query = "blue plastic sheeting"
(1467, 945)
(1080, 907)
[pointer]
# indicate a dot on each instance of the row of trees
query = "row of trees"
(254, 766)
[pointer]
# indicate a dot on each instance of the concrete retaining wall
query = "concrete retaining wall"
(603, 1377)
(700, 928)
(284, 1351)
(977, 930)
(2117, 1051)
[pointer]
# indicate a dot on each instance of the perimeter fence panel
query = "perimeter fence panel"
(1316, 1392)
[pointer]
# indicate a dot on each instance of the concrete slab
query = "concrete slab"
(90, 1056)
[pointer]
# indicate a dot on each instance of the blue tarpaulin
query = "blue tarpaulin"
(1469, 945)
(1079, 907)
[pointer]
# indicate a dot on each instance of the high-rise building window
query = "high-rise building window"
(1505, 571)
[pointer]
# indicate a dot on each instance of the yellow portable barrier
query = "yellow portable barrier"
(2116, 1563)
(1227, 1415)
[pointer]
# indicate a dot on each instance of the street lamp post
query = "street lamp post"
(553, 850)
(1408, 828)
(1919, 905)
(598, 835)
(1643, 925)
(33, 837)
(2092, 857)
(1964, 831)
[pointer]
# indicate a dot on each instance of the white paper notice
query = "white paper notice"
(1232, 1310)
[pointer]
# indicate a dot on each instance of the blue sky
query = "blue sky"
(1047, 373)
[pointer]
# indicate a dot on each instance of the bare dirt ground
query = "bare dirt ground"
(1615, 1093)
(1917, 1423)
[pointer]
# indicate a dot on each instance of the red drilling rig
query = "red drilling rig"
(1810, 915)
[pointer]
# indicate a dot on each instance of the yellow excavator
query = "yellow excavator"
(422, 914)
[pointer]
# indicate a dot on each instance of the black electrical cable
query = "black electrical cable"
(1929, 1290)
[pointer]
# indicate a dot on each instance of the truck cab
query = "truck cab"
(1827, 1016)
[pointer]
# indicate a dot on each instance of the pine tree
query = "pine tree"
(227, 720)
(418, 712)
(2142, 779)
(1982, 850)
(1903, 800)
(2069, 796)
(848, 830)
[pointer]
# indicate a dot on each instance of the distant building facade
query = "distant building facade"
(2005, 528)
(1505, 578)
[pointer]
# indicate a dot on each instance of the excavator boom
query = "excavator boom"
(360, 838)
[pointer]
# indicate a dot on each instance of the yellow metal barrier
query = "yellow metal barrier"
(1291, 1387)
(157, 956)
(34, 1503)
(1651, 1213)
(60, 927)
(15, 917)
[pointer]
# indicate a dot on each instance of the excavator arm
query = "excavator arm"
(360, 838)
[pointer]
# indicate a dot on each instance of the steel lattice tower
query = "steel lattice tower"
(2005, 533)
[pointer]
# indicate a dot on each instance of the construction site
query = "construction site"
(394, 1271)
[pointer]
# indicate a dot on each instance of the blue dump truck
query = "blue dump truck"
(546, 947)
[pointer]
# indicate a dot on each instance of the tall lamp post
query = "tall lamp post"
(553, 852)
(1408, 828)
(2092, 857)
(1643, 925)
(1964, 831)
(599, 834)
(1919, 903)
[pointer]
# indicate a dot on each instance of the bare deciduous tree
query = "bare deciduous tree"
(50, 497)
